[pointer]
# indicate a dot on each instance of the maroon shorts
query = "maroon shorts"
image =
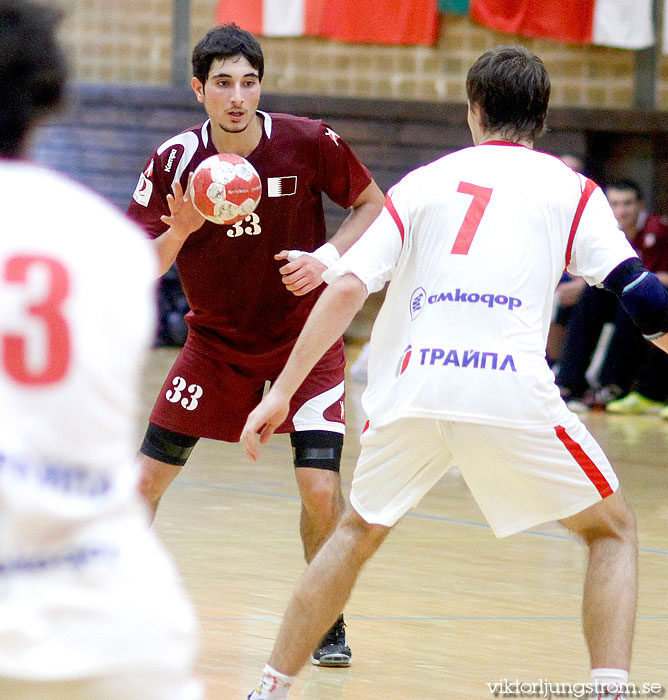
(205, 396)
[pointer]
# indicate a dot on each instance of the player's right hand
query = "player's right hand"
(303, 273)
(263, 421)
(183, 218)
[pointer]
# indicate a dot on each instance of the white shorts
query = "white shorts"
(519, 478)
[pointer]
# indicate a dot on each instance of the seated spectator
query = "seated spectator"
(627, 349)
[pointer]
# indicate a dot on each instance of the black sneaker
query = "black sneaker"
(333, 650)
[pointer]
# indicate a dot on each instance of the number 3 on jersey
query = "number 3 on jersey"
(37, 349)
(176, 395)
(469, 227)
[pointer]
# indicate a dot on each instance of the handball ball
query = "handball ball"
(225, 188)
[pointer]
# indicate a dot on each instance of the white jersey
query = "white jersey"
(85, 587)
(474, 245)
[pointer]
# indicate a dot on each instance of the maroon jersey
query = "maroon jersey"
(651, 244)
(228, 272)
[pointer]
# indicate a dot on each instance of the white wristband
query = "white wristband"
(327, 254)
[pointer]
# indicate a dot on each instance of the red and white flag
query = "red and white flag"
(380, 22)
(625, 24)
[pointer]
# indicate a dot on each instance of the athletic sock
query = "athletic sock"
(273, 686)
(612, 680)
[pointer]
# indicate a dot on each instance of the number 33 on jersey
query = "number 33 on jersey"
(187, 395)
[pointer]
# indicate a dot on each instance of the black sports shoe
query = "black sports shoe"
(333, 650)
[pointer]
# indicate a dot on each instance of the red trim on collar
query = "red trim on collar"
(503, 143)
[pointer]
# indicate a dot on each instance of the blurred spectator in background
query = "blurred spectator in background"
(574, 161)
(627, 350)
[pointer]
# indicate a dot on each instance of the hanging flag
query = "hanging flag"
(625, 24)
(456, 7)
(380, 22)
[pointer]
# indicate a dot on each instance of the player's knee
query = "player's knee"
(150, 489)
(321, 495)
(612, 518)
(367, 537)
(162, 454)
(622, 523)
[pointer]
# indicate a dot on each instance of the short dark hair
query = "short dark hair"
(32, 69)
(626, 184)
(511, 87)
(225, 41)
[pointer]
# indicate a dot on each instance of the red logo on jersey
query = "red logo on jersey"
(403, 361)
(333, 135)
(149, 170)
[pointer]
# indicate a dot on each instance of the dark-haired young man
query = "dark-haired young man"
(250, 285)
(474, 245)
(84, 583)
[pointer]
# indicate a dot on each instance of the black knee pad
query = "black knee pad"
(167, 446)
(318, 449)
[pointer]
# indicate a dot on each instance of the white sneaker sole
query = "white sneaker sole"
(332, 660)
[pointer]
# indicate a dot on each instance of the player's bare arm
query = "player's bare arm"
(183, 219)
(328, 320)
(303, 273)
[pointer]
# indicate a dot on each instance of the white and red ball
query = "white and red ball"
(225, 188)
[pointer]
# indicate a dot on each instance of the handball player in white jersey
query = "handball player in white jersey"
(90, 604)
(473, 246)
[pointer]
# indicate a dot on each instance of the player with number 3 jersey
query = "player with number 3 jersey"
(90, 603)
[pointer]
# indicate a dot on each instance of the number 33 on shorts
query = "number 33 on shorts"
(187, 395)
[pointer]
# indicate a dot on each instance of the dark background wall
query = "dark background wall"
(108, 132)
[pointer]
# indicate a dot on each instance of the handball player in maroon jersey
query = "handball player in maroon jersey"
(251, 285)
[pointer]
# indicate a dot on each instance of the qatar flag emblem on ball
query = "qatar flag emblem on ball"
(225, 188)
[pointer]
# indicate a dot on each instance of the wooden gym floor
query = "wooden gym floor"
(444, 608)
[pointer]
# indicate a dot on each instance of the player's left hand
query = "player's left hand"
(302, 274)
(263, 421)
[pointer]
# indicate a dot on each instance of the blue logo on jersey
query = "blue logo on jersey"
(476, 359)
(417, 302)
(419, 298)
(491, 300)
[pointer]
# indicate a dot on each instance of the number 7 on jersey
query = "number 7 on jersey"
(469, 227)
